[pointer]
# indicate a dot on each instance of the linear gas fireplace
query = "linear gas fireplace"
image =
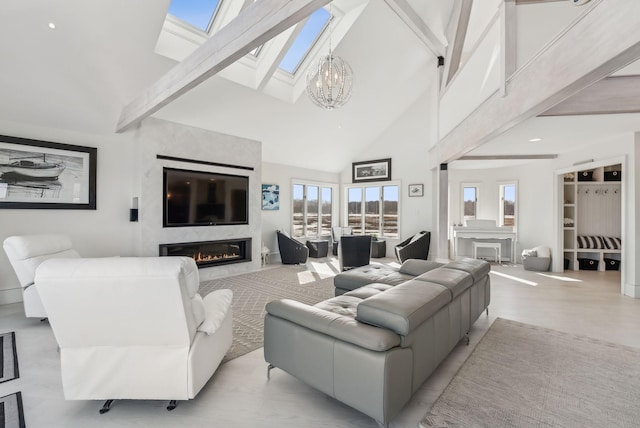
(211, 253)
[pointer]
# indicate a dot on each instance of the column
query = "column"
(442, 215)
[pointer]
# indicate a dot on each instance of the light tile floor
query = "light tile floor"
(239, 395)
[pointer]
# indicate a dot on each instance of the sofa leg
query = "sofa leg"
(487, 311)
(172, 405)
(106, 407)
(269, 367)
(44, 319)
(466, 339)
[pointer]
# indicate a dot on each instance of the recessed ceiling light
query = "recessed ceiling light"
(533, 140)
(52, 25)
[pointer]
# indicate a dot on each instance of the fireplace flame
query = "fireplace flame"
(203, 258)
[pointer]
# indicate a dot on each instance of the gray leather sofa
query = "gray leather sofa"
(356, 278)
(372, 347)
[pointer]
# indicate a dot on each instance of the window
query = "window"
(305, 40)
(198, 14)
(469, 202)
(312, 210)
(373, 210)
(508, 204)
(326, 209)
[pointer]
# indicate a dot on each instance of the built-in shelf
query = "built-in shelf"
(596, 250)
(595, 208)
(598, 183)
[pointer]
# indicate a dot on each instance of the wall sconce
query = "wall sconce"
(133, 212)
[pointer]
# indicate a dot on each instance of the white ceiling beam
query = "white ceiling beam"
(536, 1)
(457, 32)
(263, 77)
(409, 16)
(257, 24)
(507, 157)
(508, 35)
(604, 39)
(613, 95)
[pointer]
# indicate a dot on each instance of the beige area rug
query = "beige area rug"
(251, 292)
(520, 375)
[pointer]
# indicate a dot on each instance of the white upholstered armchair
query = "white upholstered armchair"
(25, 254)
(134, 327)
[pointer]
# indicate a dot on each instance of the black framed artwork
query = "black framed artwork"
(36, 174)
(374, 170)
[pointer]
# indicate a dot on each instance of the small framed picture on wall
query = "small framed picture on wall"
(416, 190)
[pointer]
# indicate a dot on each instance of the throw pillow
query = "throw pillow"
(542, 251)
(611, 243)
(217, 303)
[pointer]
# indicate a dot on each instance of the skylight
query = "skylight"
(198, 14)
(305, 41)
(272, 68)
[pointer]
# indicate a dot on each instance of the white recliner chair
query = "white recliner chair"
(25, 254)
(134, 327)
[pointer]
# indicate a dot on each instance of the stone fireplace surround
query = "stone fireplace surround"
(159, 137)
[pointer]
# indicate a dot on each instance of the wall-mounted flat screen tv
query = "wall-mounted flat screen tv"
(198, 198)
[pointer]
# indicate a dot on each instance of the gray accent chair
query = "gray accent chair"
(354, 251)
(292, 252)
(416, 247)
(373, 347)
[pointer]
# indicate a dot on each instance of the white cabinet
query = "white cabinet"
(592, 209)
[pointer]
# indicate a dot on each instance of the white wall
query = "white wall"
(534, 199)
(101, 232)
(537, 24)
(476, 81)
(536, 216)
(127, 168)
(407, 143)
(283, 175)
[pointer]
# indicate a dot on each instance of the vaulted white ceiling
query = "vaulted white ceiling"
(102, 54)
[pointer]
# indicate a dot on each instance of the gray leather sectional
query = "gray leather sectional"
(375, 343)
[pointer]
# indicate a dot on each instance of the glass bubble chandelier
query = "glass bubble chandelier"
(330, 79)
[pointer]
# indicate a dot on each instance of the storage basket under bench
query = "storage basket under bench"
(602, 243)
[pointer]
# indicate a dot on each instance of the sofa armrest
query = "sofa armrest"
(338, 326)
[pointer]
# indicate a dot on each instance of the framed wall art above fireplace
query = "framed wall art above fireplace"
(37, 174)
